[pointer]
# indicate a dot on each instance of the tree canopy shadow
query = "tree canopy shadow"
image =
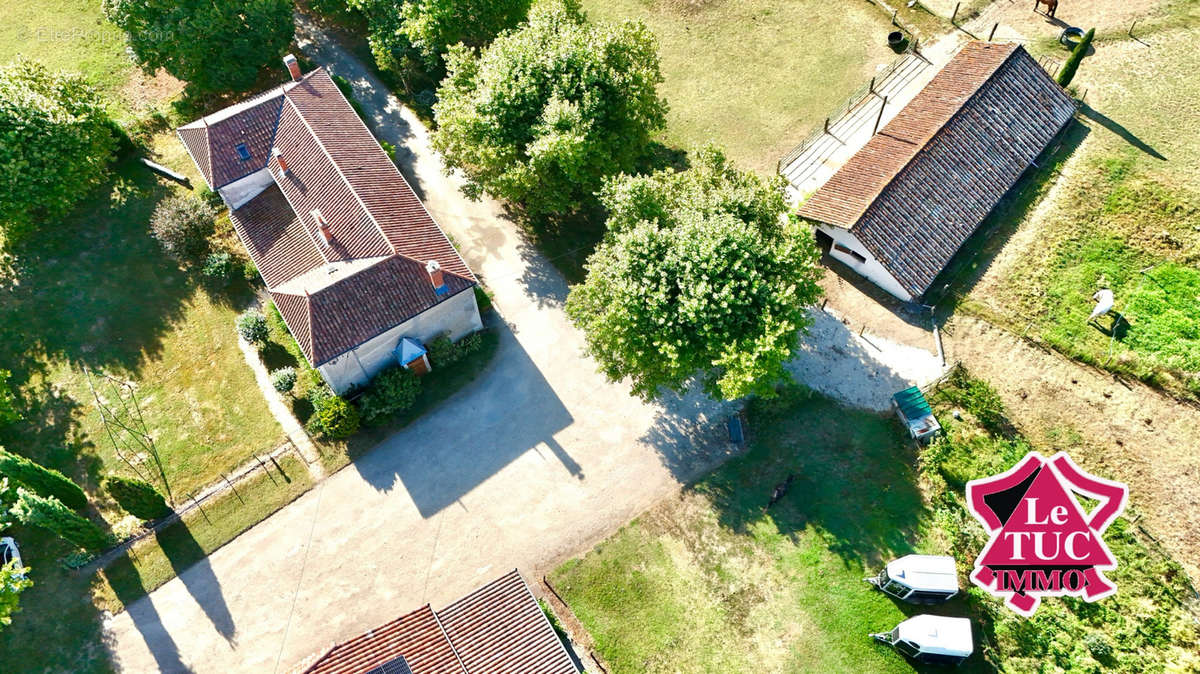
(852, 477)
(94, 289)
(129, 589)
(1124, 133)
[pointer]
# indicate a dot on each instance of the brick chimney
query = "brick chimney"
(436, 277)
(279, 158)
(322, 226)
(293, 67)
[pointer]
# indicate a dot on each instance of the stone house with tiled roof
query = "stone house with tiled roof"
(497, 629)
(349, 254)
(901, 208)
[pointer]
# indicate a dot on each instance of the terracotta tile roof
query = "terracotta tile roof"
(497, 629)
(921, 186)
(416, 636)
(379, 228)
(212, 141)
(274, 237)
(339, 316)
(381, 189)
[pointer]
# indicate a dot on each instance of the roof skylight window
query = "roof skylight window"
(243, 151)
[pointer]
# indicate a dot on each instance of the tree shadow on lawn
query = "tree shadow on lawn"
(853, 477)
(96, 288)
(58, 629)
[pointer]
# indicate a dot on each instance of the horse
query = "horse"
(1051, 6)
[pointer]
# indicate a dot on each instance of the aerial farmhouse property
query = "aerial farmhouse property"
(357, 267)
(907, 201)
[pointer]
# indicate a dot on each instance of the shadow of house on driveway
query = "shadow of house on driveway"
(511, 410)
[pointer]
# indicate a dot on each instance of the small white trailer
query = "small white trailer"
(932, 639)
(919, 579)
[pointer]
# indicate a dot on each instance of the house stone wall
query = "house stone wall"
(458, 316)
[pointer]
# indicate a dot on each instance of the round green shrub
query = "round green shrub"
(252, 326)
(284, 379)
(250, 270)
(182, 226)
(393, 390)
(137, 498)
(218, 267)
(333, 416)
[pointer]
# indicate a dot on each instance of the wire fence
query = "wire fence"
(848, 104)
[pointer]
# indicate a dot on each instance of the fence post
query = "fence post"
(871, 88)
(880, 117)
(827, 126)
(954, 15)
(993, 33)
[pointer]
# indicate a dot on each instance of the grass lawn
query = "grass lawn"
(755, 76)
(715, 582)
(1128, 202)
(59, 626)
(73, 35)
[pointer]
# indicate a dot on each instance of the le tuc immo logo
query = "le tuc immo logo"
(1043, 542)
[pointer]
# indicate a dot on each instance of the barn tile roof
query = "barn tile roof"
(922, 185)
(370, 276)
(497, 629)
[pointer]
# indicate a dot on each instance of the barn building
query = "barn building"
(904, 204)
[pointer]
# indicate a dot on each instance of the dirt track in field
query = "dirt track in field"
(1121, 430)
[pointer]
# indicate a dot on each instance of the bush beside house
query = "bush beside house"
(332, 416)
(182, 225)
(392, 391)
(252, 326)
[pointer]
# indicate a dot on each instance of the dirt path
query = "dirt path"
(1122, 430)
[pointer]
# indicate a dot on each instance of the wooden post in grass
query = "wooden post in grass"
(827, 126)
(880, 117)
(993, 33)
(871, 87)
(894, 11)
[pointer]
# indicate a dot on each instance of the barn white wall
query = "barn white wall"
(872, 270)
(458, 315)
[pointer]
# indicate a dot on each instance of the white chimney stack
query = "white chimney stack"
(293, 67)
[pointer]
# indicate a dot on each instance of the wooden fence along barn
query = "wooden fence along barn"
(904, 204)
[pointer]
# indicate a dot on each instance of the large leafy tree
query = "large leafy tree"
(542, 115)
(699, 274)
(55, 144)
(215, 46)
(429, 27)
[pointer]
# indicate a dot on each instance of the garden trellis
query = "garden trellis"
(121, 413)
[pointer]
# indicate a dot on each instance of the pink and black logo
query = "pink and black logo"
(1044, 544)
